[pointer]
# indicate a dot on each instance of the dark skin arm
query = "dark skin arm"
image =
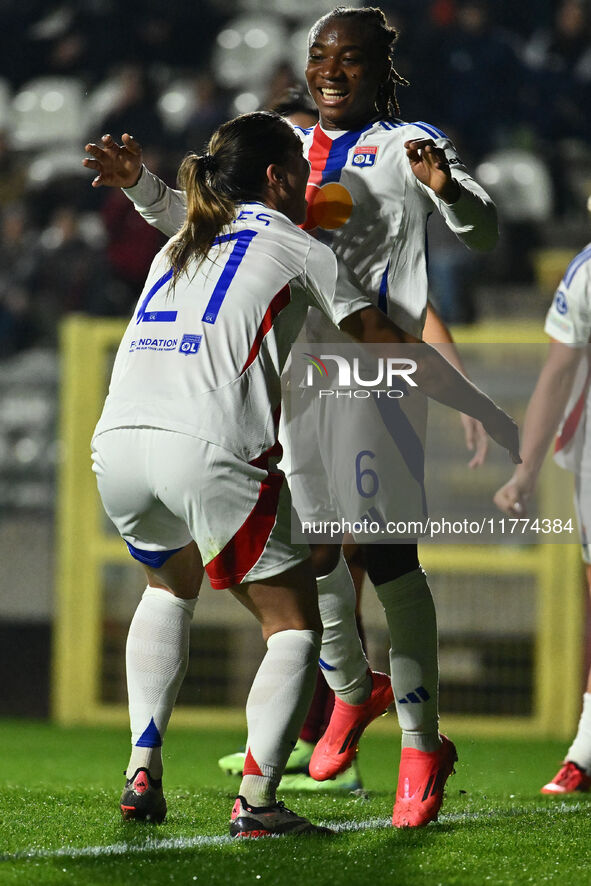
(435, 376)
(437, 333)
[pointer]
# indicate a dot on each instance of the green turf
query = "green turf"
(58, 814)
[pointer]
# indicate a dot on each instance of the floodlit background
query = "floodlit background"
(510, 83)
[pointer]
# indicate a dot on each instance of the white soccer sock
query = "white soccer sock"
(275, 710)
(580, 750)
(156, 656)
(342, 658)
(414, 667)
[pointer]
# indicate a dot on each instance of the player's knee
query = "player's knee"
(324, 558)
(389, 562)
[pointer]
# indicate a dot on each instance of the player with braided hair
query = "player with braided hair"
(374, 181)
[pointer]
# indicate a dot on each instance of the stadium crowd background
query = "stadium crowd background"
(494, 75)
(510, 83)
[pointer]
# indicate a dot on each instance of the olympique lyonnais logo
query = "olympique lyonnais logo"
(364, 156)
(347, 378)
(190, 344)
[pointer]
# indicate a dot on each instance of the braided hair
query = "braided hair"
(386, 102)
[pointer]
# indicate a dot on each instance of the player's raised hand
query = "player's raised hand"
(476, 440)
(512, 498)
(118, 166)
(505, 432)
(430, 165)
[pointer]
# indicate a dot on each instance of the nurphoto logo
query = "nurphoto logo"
(353, 377)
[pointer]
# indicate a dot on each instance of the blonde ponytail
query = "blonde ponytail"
(208, 212)
(232, 171)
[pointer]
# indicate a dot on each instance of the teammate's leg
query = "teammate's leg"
(427, 758)
(575, 773)
(361, 695)
(404, 593)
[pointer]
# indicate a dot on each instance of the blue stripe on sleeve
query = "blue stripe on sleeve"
(430, 130)
(575, 264)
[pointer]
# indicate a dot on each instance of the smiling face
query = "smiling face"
(344, 74)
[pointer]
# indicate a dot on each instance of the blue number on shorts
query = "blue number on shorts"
(243, 239)
(367, 473)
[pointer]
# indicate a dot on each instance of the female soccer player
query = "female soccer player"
(185, 452)
(373, 184)
(562, 397)
(374, 181)
(186, 448)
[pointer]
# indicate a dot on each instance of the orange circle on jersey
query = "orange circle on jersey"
(329, 207)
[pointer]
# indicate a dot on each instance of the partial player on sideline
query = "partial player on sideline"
(562, 401)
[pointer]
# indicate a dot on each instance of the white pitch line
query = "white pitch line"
(182, 843)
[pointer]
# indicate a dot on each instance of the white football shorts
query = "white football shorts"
(162, 488)
(358, 460)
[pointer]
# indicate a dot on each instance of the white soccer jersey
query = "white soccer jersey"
(569, 321)
(206, 358)
(366, 203)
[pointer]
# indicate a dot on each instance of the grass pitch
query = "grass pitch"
(59, 819)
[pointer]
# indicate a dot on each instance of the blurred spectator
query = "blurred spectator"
(559, 58)
(18, 329)
(67, 274)
(452, 274)
(135, 109)
(211, 110)
(471, 78)
(12, 173)
(559, 96)
(297, 105)
(282, 78)
(491, 74)
(131, 243)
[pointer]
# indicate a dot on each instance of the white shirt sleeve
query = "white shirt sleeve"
(569, 317)
(161, 206)
(473, 217)
(330, 285)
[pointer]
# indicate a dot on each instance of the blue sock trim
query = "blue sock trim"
(150, 737)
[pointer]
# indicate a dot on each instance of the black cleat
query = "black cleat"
(142, 798)
(263, 821)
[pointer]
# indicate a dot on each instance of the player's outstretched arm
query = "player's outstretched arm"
(435, 376)
(542, 418)
(117, 166)
(437, 333)
(120, 166)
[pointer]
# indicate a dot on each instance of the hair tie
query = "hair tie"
(209, 163)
